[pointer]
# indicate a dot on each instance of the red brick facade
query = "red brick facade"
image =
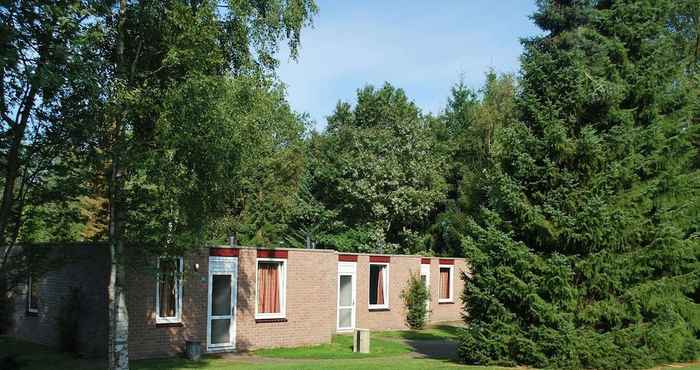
(311, 299)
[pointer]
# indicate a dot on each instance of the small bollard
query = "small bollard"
(360, 341)
(193, 350)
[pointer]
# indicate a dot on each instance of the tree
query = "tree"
(151, 55)
(471, 129)
(379, 169)
(40, 45)
(585, 250)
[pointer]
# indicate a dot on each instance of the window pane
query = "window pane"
(345, 318)
(444, 283)
(221, 295)
(33, 294)
(345, 290)
(167, 288)
(376, 284)
(220, 331)
(269, 285)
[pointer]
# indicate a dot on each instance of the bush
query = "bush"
(414, 296)
(68, 320)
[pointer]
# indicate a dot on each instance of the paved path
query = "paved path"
(438, 349)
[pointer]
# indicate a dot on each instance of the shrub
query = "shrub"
(414, 296)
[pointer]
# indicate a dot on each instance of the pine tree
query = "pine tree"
(586, 249)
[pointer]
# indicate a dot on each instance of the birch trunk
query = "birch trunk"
(118, 314)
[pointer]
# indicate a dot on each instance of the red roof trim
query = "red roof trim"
(224, 252)
(447, 261)
(381, 259)
(347, 257)
(271, 253)
(425, 261)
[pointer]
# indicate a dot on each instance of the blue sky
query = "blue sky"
(421, 46)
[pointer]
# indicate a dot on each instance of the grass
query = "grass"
(438, 332)
(335, 356)
(339, 348)
(29, 356)
(362, 363)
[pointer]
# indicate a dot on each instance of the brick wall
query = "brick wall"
(311, 301)
(83, 267)
(148, 339)
(400, 268)
(440, 312)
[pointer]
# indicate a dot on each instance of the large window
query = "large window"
(271, 289)
(378, 285)
(169, 290)
(32, 295)
(446, 282)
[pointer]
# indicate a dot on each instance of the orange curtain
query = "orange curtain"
(444, 283)
(268, 288)
(380, 286)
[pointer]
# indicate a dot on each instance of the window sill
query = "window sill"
(263, 321)
(31, 313)
(379, 309)
(446, 302)
(169, 325)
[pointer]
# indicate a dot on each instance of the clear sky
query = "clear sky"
(421, 46)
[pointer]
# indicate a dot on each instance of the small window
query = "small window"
(271, 286)
(378, 285)
(169, 290)
(445, 284)
(32, 295)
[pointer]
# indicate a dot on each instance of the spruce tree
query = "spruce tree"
(586, 249)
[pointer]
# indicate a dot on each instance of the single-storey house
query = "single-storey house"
(236, 298)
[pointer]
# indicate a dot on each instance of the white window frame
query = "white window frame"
(386, 286)
(30, 282)
(283, 294)
(452, 282)
(178, 299)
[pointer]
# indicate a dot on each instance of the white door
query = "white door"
(221, 317)
(346, 295)
(425, 278)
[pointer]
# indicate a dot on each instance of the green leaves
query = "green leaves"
(379, 168)
(584, 256)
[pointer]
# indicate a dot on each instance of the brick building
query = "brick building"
(237, 298)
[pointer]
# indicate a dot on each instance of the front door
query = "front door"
(221, 323)
(346, 296)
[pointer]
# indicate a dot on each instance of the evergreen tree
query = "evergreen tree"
(586, 248)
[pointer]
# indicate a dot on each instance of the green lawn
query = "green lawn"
(339, 348)
(336, 355)
(437, 332)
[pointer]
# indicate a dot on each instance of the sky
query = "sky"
(423, 47)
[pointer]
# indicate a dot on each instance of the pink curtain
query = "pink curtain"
(268, 288)
(380, 286)
(444, 283)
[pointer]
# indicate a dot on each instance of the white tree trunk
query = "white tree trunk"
(118, 314)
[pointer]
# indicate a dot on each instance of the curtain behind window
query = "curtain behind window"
(167, 287)
(268, 287)
(444, 283)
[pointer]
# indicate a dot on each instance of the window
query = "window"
(169, 290)
(445, 284)
(378, 285)
(271, 289)
(32, 295)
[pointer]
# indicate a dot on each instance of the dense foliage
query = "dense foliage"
(573, 188)
(585, 248)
